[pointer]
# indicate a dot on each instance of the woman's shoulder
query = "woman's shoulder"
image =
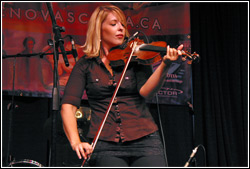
(84, 62)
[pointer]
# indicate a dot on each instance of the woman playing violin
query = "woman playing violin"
(130, 136)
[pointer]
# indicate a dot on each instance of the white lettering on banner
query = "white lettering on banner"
(169, 92)
(144, 23)
(71, 18)
(174, 81)
(18, 13)
(45, 17)
(156, 25)
(31, 14)
(172, 76)
(58, 16)
(130, 22)
(80, 18)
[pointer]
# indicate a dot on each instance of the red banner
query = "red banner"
(27, 59)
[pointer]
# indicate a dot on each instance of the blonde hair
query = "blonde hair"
(92, 47)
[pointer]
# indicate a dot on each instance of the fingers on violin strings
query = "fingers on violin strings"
(175, 52)
(167, 53)
(179, 52)
(179, 46)
(171, 52)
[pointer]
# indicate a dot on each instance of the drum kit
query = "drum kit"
(25, 163)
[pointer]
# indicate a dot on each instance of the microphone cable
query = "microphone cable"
(161, 128)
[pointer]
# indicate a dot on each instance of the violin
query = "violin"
(146, 54)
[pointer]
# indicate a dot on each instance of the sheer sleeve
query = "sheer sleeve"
(75, 87)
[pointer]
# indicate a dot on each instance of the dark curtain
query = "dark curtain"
(219, 34)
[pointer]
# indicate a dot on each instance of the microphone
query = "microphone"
(74, 52)
(124, 45)
(191, 156)
(61, 42)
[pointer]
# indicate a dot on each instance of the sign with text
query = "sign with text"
(27, 55)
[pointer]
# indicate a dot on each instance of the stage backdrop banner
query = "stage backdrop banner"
(27, 57)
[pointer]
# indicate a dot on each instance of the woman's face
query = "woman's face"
(112, 32)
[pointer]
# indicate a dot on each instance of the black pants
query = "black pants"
(144, 152)
(149, 161)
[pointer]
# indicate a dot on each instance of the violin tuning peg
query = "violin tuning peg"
(184, 58)
(196, 57)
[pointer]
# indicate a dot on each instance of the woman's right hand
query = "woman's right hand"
(82, 149)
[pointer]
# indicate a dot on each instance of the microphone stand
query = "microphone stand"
(57, 42)
(11, 108)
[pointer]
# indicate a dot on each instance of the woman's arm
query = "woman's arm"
(82, 149)
(156, 80)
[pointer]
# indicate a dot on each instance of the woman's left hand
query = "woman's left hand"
(172, 54)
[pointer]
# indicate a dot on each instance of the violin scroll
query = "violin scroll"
(195, 57)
